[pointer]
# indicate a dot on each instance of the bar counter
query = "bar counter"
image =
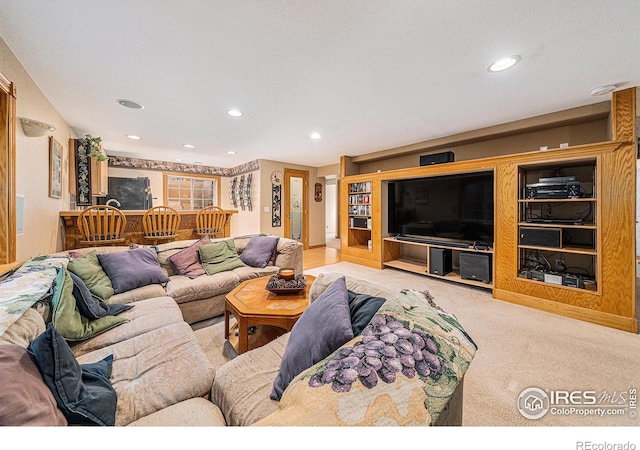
(133, 231)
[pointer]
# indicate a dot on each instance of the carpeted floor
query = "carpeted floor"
(518, 348)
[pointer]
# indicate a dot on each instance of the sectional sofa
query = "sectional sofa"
(159, 372)
(160, 376)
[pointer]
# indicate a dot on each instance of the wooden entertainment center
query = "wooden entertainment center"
(597, 238)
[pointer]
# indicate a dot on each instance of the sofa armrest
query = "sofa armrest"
(289, 255)
(416, 381)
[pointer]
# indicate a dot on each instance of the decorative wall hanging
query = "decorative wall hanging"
(318, 192)
(241, 193)
(83, 175)
(275, 206)
(248, 193)
(233, 192)
(276, 197)
(55, 168)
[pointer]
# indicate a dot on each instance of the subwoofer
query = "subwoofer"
(475, 266)
(440, 261)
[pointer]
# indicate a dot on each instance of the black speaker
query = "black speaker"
(440, 261)
(541, 237)
(475, 266)
(436, 158)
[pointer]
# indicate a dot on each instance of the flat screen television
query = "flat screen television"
(450, 209)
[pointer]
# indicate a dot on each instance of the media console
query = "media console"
(416, 255)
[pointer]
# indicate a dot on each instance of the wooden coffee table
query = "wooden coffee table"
(271, 314)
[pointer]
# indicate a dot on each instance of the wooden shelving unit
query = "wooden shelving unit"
(576, 259)
(360, 200)
(603, 244)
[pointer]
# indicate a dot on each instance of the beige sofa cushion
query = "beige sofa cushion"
(137, 294)
(155, 370)
(145, 316)
(289, 255)
(242, 386)
(24, 330)
(248, 272)
(195, 412)
(184, 289)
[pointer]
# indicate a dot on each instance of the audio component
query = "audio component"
(475, 266)
(569, 189)
(436, 158)
(440, 261)
(359, 222)
(541, 237)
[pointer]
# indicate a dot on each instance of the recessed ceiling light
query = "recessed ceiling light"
(130, 104)
(504, 64)
(602, 90)
(134, 137)
(231, 152)
(315, 136)
(188, 146)
(234, 113)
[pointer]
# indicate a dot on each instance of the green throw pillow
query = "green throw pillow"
(90, 270)
(66, 317)
(219, 257)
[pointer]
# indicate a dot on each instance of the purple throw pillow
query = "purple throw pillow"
(132, 269)
(25, 399)
(259, 251)
(324, 327)
(187, 262)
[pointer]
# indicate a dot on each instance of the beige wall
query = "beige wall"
(244, 222)
(42, 233)
(316, 209)
(582, 133)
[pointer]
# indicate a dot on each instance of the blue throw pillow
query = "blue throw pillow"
(323, 328)
(259, 251)
(83, 391)
(362, 308)
(89, 305)
(132, 269)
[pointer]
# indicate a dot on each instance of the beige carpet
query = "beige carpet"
(518, 348)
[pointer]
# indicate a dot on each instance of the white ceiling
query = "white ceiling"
(366, 74)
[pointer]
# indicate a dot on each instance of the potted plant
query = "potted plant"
(93, 145)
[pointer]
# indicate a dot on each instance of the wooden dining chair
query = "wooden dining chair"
(101, 225)
(210, 221)
(160, 223)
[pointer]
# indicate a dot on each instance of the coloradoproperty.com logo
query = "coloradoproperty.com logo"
(534, 403)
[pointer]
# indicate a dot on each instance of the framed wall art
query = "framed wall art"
(55, 168)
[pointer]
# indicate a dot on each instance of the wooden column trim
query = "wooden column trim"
(7, 171)
(623, 115)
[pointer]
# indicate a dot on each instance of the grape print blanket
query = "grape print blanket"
(401, 370)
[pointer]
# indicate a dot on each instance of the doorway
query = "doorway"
(296, 208)
(331, 214)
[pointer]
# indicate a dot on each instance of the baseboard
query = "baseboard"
(317, 246)
(575, 312)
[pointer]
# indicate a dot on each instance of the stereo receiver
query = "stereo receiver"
(568, 189)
